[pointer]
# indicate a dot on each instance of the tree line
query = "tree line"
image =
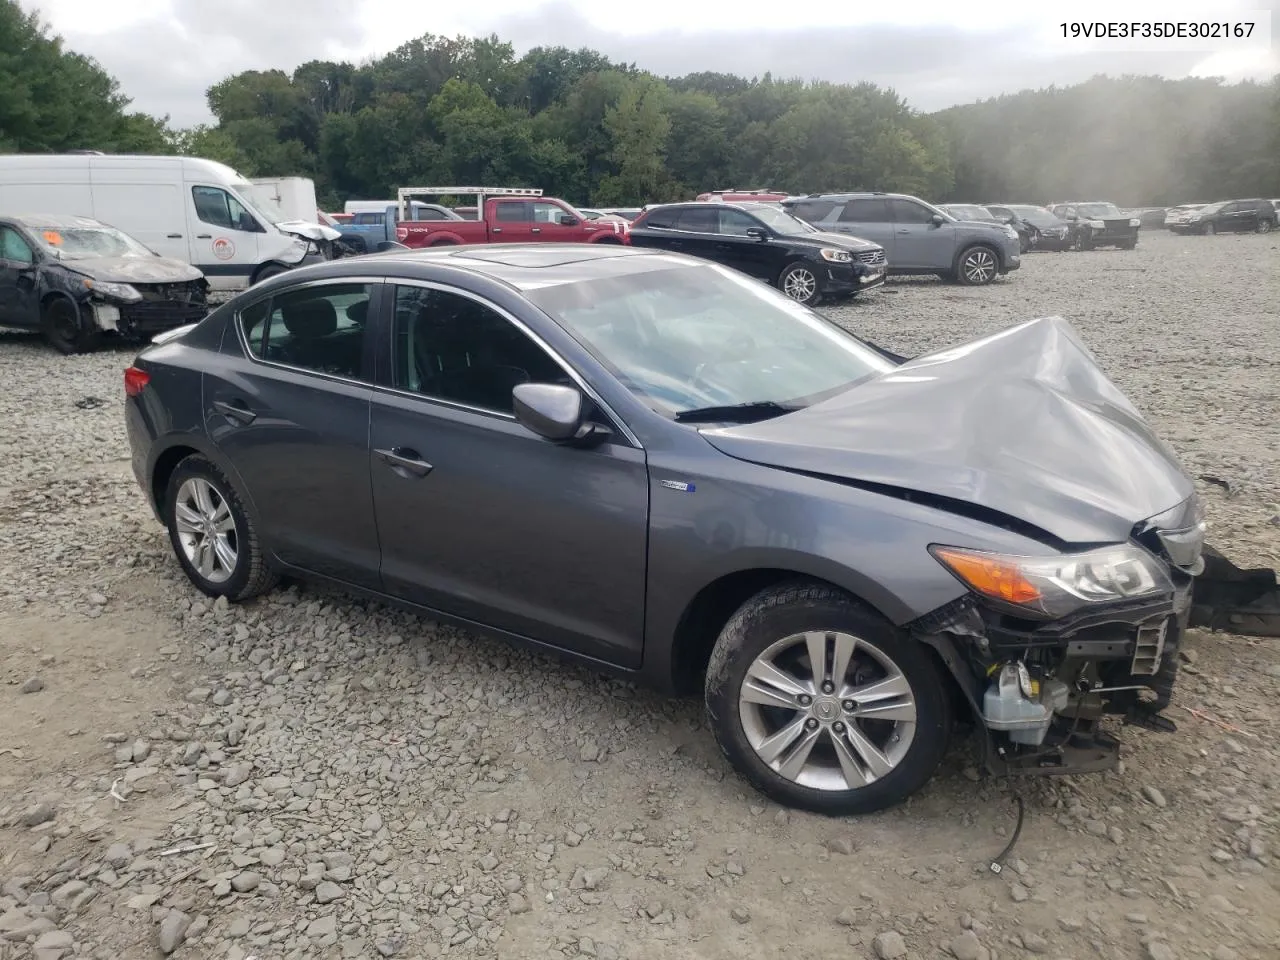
(457, 110)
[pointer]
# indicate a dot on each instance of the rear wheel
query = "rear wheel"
(1128, 245)
(800, 283)
(212, 534)
(1265, 226)
(1210, 229)
(977, 266)
(822, 704)
(269, 271)
(66, 328)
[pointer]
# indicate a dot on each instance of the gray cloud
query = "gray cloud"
(167, 65)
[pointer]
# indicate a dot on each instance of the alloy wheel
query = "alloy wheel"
(206, 530)
(979, 266)
(827, 710)
(800, 284)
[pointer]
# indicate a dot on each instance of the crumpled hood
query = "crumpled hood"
(841, 241)
(308, 230)
(1023, 422)
(134, 269)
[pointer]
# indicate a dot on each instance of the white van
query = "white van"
(181, 207)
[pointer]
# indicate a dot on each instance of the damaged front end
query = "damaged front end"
(140, 310)
(1042, 688)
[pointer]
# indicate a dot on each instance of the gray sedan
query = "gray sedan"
(670, 471)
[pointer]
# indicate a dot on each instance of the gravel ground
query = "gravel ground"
(308, 776)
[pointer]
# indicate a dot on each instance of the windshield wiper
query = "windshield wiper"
(737, 412)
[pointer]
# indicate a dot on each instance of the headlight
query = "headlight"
(836, 256)
(1135, 222)
(1193, 218)
(116, 291)
(1056, 586)
(1009, 232)
(1098, 224)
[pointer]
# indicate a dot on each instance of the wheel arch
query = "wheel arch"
(706, 613)
(971, 245)
(166, 459)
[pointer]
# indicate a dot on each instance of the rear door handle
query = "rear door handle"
(174, 236)
(404, 462)
(235, 411)
(536, 230)
(904, 231)
(495, 229)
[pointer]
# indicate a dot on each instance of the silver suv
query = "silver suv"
(917, 236)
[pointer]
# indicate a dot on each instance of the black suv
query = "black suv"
(1227, 216)
(1098, 223)
(766, 243)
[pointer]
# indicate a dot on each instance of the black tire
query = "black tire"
(250, 575)
(977, 265)
(444, 243)
(1084, 242)
(1128, 245)
(1024, 244)
(66, 328)
(1210, 229)
(269, 271)
(797, 278)
(1265, 226)
(797, 607)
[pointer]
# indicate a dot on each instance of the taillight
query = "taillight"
(135, 381)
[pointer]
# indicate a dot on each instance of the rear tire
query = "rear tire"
(213, 536)
(799, 282)
(1210, 229)
(888, 745)
(66, 328)
(267, 272)
(1265, 226)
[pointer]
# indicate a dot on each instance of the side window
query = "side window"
(451, 347)
(816, 211)
(735, 223)
(864, 211)
(704, 219)
(317, 328)
(214, 205)
(908, 211)
(547, 212)
(14, 248)
(661, 219)
(512, 211)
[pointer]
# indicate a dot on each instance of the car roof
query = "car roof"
(522, 266)
(850, 195)
(52, 221)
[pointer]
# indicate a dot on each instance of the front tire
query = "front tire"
(212, 534)
(799, 282)
(66, 329)
(862, 732)
(977, 266)
(1265, 226)
(1210, 229)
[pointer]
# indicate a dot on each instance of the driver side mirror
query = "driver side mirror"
(937, 219)
(1069, 216)
(555, 412)
(756, 233)
(568, 220)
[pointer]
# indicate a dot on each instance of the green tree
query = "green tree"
(638, 128)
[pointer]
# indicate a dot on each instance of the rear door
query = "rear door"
(288, 406)
(867, 218)
(223, 236)
(697, 232)
(478, 517)
(511, 221)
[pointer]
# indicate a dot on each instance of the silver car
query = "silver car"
(917, 237)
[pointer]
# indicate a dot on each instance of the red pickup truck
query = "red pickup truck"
(509, 215)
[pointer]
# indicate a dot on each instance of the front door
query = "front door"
(547, 227)
(755, 257)
(19, 306)
(481, 519)
(223, 237)
(918, 242)
(291, 414)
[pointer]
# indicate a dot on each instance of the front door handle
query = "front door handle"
(535, 230)
(404, 462)
(204, 236)
(235, 412)
(904, 232)
(173, 236)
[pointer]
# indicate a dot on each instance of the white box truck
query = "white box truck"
(186, 208)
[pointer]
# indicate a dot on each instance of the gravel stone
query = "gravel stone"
(889, 946)
(32, 685)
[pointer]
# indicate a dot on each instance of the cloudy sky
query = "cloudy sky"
(166, 53)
